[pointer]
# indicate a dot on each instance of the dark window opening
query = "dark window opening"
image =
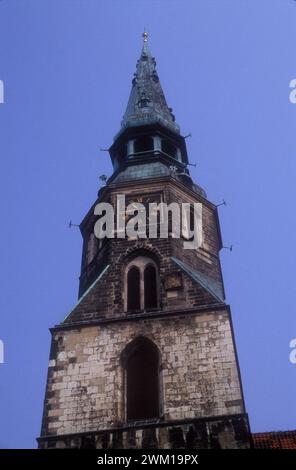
(122, 153)
(169, 148)
(142, 370)
(143, 144)
(170, 223)
(150, 287)
(192, 219)
(133, 289)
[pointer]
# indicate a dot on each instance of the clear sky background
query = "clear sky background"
(225, 67)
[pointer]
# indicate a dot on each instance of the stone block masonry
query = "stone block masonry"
(86, 379)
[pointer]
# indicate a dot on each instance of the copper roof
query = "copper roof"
(147, 103)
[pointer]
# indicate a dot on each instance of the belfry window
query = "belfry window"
(143, 144)
(141, 285)
(141, 361)
(168, 148)
(150, 287)
(133, 293)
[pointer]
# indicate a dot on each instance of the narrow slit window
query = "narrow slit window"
(133, 289)
(150, 287)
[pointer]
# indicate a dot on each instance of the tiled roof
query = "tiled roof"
(275, 440)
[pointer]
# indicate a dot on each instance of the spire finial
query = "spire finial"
(145, 36)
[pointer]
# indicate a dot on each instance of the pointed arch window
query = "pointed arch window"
(133, 291)
(141, 285)
(141, 361)
(150, 287)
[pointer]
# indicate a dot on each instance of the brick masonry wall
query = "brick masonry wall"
(205, 258)
(85, 389)
(107, 298)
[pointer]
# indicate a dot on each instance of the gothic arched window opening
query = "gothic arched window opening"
(150, 287)
(133, 292)
(141, 285)
(141, 360)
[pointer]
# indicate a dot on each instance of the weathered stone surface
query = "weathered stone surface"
(199, 372)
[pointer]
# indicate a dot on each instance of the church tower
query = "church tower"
(146, 358)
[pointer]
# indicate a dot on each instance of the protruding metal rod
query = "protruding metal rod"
(72, 225)
(223, 203)
(230, 248)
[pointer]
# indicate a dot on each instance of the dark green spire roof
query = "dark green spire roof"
(147, 104)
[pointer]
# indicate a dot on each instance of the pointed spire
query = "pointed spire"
(147, 103)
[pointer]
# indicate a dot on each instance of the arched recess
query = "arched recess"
(133, 289)
(141, 361)
(150, 287)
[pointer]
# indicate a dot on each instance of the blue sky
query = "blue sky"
(225, 66)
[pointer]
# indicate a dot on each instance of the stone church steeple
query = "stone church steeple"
(146, 358)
